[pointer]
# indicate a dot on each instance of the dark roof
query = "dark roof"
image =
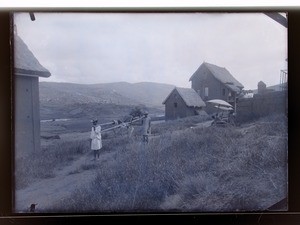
(189, 96)
(25, 63)
(221, 74)
(261, 83)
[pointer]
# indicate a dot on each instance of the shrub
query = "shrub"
(136, 112)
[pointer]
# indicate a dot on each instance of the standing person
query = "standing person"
(146, 127)
(231, 117)
(96, 142)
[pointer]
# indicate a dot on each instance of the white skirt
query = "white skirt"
(96, 144)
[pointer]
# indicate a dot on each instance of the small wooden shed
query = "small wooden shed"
(182, 102)
(27, 71)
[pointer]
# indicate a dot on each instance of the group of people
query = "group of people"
(96, 138)
(222, 118)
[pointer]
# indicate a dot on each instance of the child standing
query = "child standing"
(96, 142)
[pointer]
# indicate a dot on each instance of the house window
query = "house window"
(223, 91)
(175, 104)
(206, 91)
(231, 96)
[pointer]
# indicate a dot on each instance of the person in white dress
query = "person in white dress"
(96, 141)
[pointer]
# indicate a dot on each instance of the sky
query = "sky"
(90, 48)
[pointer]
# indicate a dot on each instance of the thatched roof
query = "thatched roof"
(221, 74)
(25, 63)
(189, 96)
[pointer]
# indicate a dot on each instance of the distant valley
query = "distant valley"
(69, 100)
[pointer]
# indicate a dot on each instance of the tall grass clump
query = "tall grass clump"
(42, 164)
(249, 171)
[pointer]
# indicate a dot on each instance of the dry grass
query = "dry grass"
(181, 169)
(173, 125)
(42, 164)
(205, 169)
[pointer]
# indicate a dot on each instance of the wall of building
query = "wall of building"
(262, 105)
(215, 88)
(203, 79)
(181, 111)
(27, 116)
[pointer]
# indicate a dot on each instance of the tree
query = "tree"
(136, 112)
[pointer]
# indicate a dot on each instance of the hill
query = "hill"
(64, 100)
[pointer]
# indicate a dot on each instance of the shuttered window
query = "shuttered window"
(206, 91)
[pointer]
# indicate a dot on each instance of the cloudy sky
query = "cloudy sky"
(156, 47)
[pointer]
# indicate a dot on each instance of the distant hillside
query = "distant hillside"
(148, 93)
(64, 100)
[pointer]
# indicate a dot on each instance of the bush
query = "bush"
(136, 112)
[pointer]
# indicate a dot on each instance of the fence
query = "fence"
(262, 105)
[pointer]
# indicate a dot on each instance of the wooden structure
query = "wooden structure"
(182, 102)
(214, 82)
(27, 71)
(283, 79)
(261, 87)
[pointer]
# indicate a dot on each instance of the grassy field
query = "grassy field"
(180, 170)
(43, 164)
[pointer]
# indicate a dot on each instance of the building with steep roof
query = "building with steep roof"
(214, 82)
(182, 102)
(27, 70)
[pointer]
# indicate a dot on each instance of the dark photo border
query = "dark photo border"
(292, 216)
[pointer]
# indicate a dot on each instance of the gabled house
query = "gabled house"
(27, 71)
(182, 102)
(214, 82)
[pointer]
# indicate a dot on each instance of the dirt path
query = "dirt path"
(47, 192)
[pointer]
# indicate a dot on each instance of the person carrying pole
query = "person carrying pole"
(146, 122)
(96, 141)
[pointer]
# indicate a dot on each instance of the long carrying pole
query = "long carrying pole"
(109, 123)
(123, 124)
